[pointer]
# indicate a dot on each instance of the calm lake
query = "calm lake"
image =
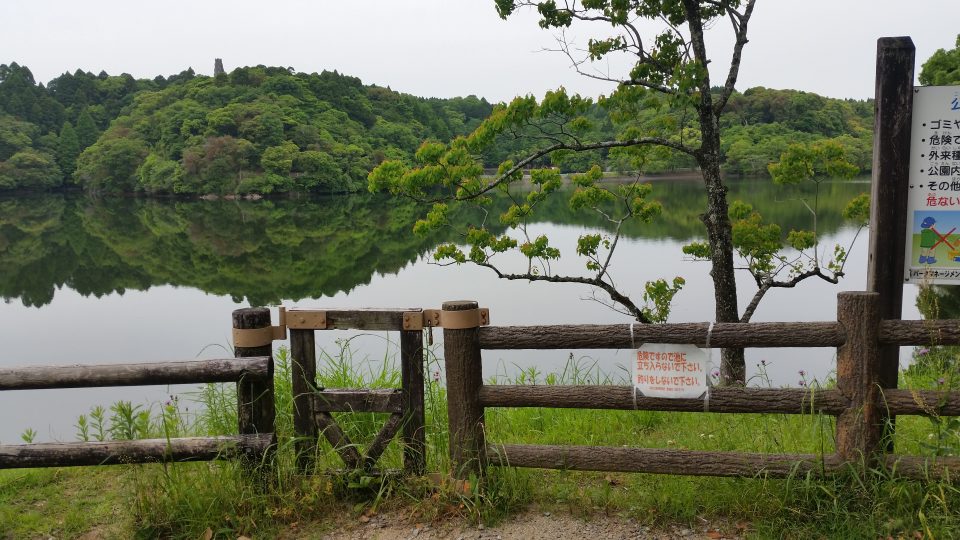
(136, 280)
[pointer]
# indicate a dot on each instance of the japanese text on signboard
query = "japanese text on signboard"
(671, 371)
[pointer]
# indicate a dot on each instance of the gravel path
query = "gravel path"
(528, 526)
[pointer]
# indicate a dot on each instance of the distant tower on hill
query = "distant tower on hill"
(218, 67)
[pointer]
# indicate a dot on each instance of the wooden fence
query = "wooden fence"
(252, 370)
(858, 401)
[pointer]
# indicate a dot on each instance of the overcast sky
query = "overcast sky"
(443, 48)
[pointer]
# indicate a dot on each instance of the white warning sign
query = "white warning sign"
(671, 371)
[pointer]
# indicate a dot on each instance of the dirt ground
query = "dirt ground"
(530, 525)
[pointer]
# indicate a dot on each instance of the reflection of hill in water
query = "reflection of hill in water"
(270, 250)
(262, 251)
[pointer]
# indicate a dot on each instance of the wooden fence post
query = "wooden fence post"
(303, 353)
(255, 406)
(860, 426)
(411, 387)
(888, 198)
(461, 351)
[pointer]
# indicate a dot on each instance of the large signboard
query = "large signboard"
(933, 207)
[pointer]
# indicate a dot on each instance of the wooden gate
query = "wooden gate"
(313, 406)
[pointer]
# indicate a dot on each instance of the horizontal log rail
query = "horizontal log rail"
(137, 451)
(922, 468)
(617, 336)
(705, 463)
(921, 402)
(660, 461)
(158, 373)
(722, 400)
(931, 332)
(765, 334)
(355, 400)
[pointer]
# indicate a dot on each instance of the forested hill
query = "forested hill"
(257, 129)
(268, 130)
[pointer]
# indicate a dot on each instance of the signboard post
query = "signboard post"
(932, 250)
(888, 192)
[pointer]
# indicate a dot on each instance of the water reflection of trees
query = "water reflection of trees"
(262, 251)
(266, 251)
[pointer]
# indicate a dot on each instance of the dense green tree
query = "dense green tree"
(942, 68)
(30, 169)
(87, 131)
(15, 135)
(396, 135)
(68, 149)
(23, 98)
(279, 159)
(159, 175)
(48, 143)
(111, 164)
(74, 90)
(318, 169)
(217, 165)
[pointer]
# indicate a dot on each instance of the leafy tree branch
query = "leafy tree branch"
(761, 245)
(558, 120)
(616, 204)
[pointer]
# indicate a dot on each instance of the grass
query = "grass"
(184, 500)
(63, 503)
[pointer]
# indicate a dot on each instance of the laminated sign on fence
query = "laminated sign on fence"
(933, 212)
(671, 371)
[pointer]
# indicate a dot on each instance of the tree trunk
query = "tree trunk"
(720, 236)
(716, 218)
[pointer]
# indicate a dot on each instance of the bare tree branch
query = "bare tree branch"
(615, 295)
(741, 39)
(772, 284)
(577, 64)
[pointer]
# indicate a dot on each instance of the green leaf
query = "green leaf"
(801, 240)
(436, 218)
(587, 244)
(451, 252)
(857, 210)
(540, 248)
(430, 152)
(658, 297)
(697, 250)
